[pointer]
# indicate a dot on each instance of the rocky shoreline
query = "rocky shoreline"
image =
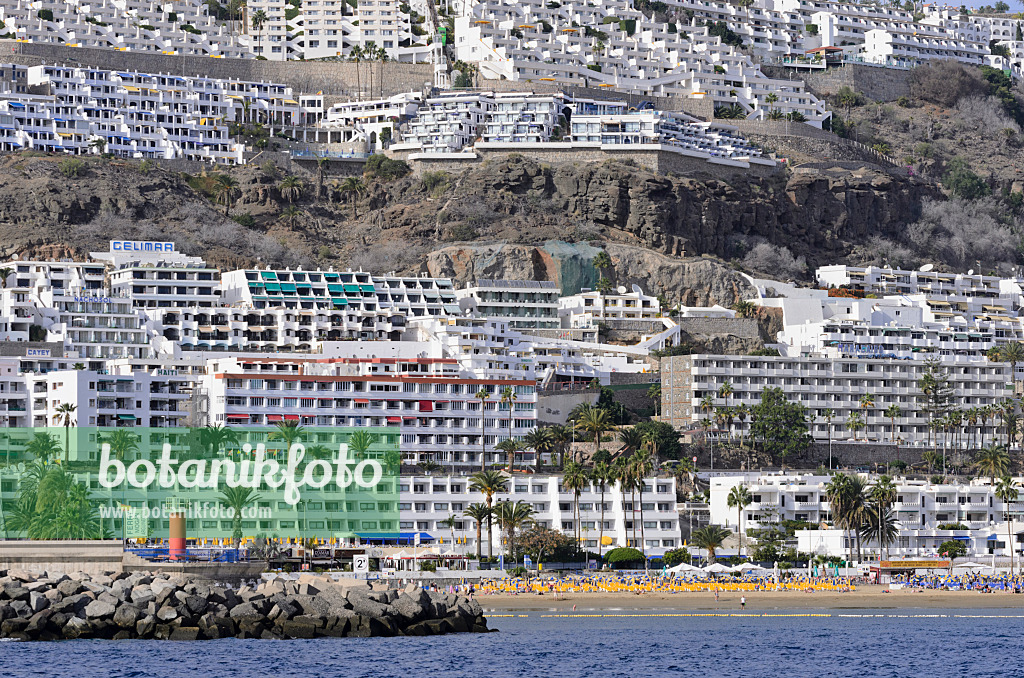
(54, 606)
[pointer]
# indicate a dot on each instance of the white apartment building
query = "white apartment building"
(427, 501)
(925, 513)
(432, 410)
(589, 307)
(181, 27)
(511, 120)
(522, 304)
(820, 383)
(142, 393)
(610, 44)
(140, 115)
(888, 281)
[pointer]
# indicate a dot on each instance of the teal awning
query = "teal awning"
(351, 288)
(331, 276)
(288, 287)
(366, 288)
(268, 275)
(126, 417)
(273, 287)
(339, 302)
(336, 289)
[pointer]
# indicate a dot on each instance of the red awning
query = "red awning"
(408, 418)
(442, 401)
(274, 417)
(394, 419)
(238, 416)
(361, 401)
(426, 406)
(291, 417)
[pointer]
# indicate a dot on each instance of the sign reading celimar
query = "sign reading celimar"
(283, 481)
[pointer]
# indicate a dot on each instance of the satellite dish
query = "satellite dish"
(970, 272)
(926, 268)
(621, 289)
(636, 289)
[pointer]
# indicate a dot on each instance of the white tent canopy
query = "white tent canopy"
(683, 567)
(717, 568)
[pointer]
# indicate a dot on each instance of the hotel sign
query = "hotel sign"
(915, 564)
(140, 246)
(37, 353)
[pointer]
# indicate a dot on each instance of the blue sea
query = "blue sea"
(854, 643)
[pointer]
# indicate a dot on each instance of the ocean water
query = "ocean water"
(859, 644)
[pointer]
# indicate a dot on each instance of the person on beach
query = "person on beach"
(743, 602)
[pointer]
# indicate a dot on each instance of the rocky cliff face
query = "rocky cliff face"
(511, 218)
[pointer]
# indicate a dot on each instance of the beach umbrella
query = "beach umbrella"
(717, 568)
(683, 567)
(748, 566)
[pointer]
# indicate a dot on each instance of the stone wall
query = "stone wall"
(806, 142)
(745, 328)
(852, 455)
(874, 82)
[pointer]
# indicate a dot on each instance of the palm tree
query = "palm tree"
(513, 516)
(353, 187)
(356, 54)
(323, 163)
(482, 395)
(654, 393)
(771, 99)
(561, 437)
(992, 461)
(290, 188)
(847, 501)
(574, 480)
(226, 190)
(489, 483)
(5, 273)
(883, 494)
(625, 473)
(290, 213)
(507, 399)
(237, 499)
(892, 413)
(288, 432)
(855, 422)
(725, 390)
(360, 443)
(122, 443)
(1013, 353)
(739, 498)
(66, 417)
(510, 446)
(1007, 493)
(479, 513)
(710, 538)
(744, 309)
(595, 421)
(42, 447)
(540, 440)
(601, 475)
(259, 19)
(631, 438)
(429, 467)
(643, 466)
(867, 403)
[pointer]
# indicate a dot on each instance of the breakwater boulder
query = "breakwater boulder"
(55, 606)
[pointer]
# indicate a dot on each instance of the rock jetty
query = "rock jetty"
(117, 606)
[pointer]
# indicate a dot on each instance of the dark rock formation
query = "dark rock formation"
(139, 605)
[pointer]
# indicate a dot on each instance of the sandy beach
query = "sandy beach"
(865, 597)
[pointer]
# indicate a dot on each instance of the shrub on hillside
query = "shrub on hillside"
(777, 261)
(381, 166)
(945, 82)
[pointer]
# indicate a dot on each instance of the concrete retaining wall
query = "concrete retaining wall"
(334, 78)
(554, 408)
(91, 556)
(875, 82)
(659, 162)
